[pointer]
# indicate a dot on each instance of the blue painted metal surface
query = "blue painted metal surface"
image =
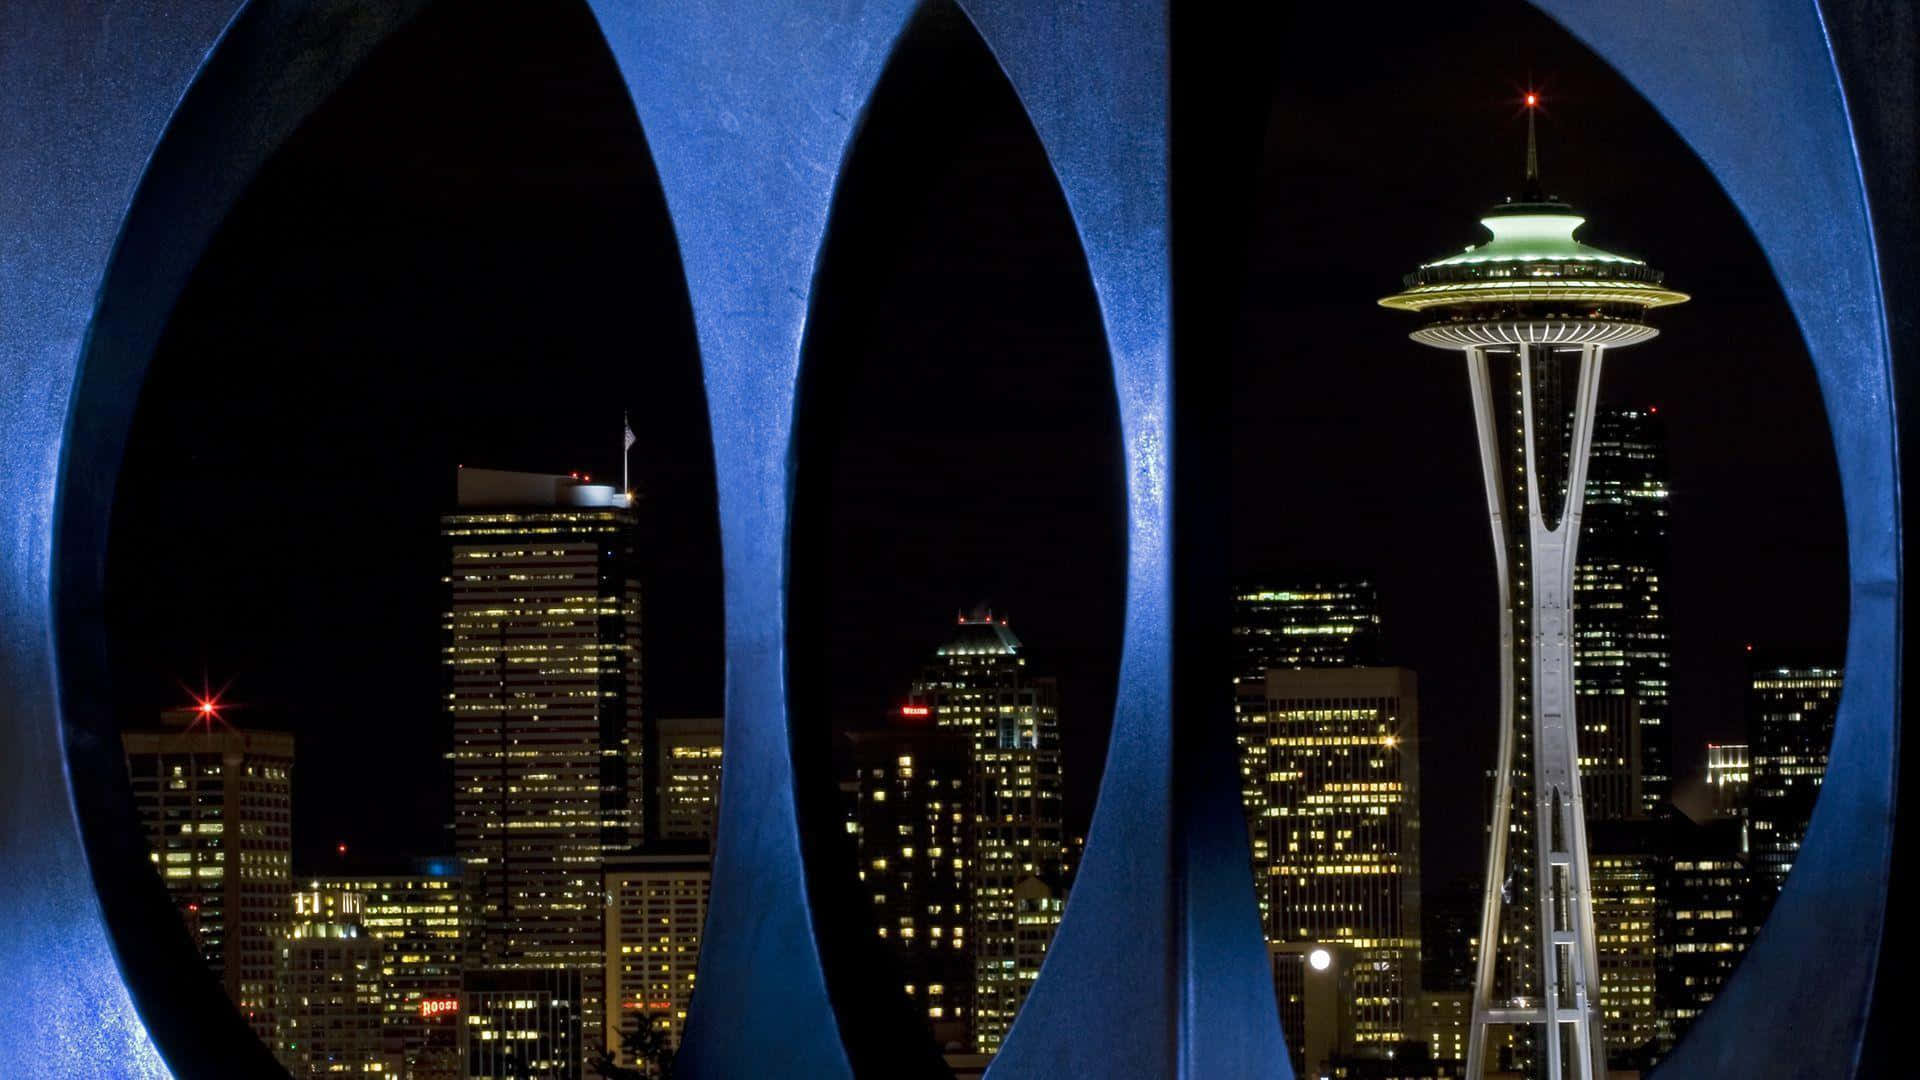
(1162, 916)
(749, 107)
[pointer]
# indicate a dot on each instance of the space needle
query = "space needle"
(1535, 311)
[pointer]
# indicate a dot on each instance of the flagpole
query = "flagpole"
(626, 455)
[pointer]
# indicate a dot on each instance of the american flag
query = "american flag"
(626, 424)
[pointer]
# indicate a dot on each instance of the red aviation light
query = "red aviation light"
(340, 849)
(1532, 100)
(440, 1006)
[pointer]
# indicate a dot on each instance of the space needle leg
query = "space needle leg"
(1575, 1044)
(1490, 911)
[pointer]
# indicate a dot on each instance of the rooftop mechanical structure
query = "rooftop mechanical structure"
(1535, 311)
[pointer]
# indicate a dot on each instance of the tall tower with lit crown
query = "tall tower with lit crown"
(1535, 311)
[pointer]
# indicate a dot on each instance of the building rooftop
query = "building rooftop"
(499, 488)
(980, 633)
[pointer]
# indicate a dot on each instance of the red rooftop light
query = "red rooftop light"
(1532, 100)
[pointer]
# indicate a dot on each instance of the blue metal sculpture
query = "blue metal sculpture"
(128, 130)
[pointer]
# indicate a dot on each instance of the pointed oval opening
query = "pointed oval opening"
(958, 555)
(1371, 547)
(413, 657)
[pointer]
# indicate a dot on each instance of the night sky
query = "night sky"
(464, 258)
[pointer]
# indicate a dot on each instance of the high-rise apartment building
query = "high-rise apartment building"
(522, 1024)
(979, 684)
(542, 673)
(686, 755)
(1330, 778)
(216, 803)
(914, 829)
(656, 912)
(1622, 654)
(1312, 621)
(1791, 706)
(327, 987)
(1710, 911)
(418, 917)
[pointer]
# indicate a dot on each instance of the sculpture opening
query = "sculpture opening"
(413, 613)
(958, 554)
(1603, 695)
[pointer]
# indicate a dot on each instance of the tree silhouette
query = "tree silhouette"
(646, 1044)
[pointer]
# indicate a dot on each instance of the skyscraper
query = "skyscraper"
(327, 978)
(1330, 778)
(1627, 859)
(1710, 912)
(1535, 312)
(1305, 621)
(1791, 705)
(418, 917)
(978, 683)
(542, 672)
(914, 826)
(216, 803)
(656, 912)
(1621, 652)
(686, 756)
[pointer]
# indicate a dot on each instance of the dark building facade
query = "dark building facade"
(979, 684)
(1449, 934)
(216, 804)
(1710, 906)
(1306, 621)
(914, 829)
(523, 1024)
(1622, 653)
(541, 657)
(1626, 858)
(1792, 701)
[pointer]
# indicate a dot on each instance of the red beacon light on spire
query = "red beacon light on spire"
(1532, 100)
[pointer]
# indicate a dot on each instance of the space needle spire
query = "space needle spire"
(1533, 146)
(1534, 312)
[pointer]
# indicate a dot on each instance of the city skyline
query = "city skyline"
(956, 456)
(445, 340)
(902, 327)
